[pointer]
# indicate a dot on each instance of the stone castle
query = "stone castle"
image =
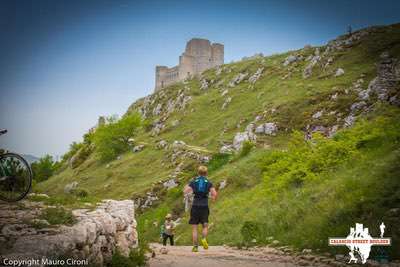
(199, 55)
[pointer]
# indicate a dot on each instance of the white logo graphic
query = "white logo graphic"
(360, 241)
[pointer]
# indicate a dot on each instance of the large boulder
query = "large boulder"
(242, 137)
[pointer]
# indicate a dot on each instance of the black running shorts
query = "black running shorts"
(199, 215)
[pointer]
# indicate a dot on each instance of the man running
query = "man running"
(200, 187)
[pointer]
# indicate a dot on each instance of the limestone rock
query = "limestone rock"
(178, 144)
(253, 78)
(290, 59)
(269, 128)
(349, 120)
(240, 138)
(314, 60)
(157, 109)
(70, 187)
(357, 106)
(226, 103)
(162, 144)
(237, 79)
(95, 236)
(339, 72)
(138, 148)
(157, 128)
(226, 149)
(317, 115)
(222, 185)
(170, 184)
(203, 84)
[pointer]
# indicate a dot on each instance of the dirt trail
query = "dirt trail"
(217, 256)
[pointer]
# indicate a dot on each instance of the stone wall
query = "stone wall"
(199, 56)
(94, 237)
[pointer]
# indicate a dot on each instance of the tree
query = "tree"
(112, 138)
(44, 168)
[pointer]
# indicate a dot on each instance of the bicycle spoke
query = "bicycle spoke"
(15, 177)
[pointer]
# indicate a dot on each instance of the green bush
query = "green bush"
(305, 161)
(73, 148)
(136, 258)
(80, 192)
(81, 155)
(44, 168)
(252, 233)
(58, 215)
(247, 146)
(217, 161)
(111, 139)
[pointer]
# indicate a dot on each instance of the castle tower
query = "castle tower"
(160, 75)
(199, 56)
(217, 54)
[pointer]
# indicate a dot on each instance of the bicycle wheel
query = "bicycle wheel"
(15, 177)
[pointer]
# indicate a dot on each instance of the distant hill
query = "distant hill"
(30, 158)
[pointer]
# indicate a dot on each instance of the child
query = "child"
(167, 230)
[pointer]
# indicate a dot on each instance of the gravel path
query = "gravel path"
(216, 256)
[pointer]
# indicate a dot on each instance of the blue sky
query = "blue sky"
(64, 63)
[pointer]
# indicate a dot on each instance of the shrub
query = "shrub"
(80, 192)
(304, 160)
(57, 215)
(73, 148)
(111, 139)
(217, 161)
(247, 146)
(44, 168)
(136, 257)
(252, 232)
(81, 155)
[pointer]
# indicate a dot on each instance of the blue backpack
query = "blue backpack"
(201, 186)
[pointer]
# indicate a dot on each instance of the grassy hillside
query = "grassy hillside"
(295, 191)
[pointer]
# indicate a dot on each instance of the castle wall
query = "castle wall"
(199, 56)
(217, 53)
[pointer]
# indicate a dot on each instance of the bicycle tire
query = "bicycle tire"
(23, 194)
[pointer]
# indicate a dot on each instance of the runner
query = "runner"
(200, 187)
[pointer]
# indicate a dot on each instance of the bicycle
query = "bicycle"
(15, 176)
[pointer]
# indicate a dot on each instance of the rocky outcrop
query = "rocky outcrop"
(290, 59)
(95, 236)
(314, 60)
(253, 78)
(237, 79)
(242, 137)
(203, 84)
(386, 84)
(269, 128)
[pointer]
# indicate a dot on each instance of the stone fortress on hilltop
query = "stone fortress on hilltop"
(199, 55)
